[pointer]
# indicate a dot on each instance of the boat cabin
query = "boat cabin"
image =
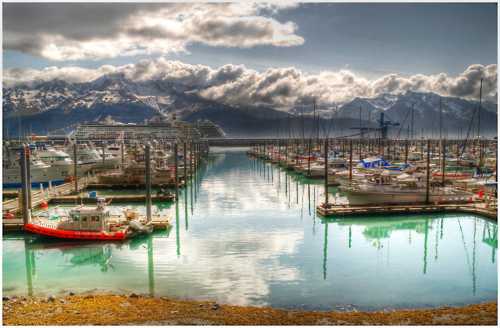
(88, 218)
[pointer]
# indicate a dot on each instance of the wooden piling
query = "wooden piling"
(75, 165)
(176, 172)
(147, 159)
(326, 172)
(24, 185)
(427, 198)
(122, 153)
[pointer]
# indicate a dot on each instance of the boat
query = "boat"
(88, 157)
(89, 223)
(41, 173)
(388, 188)
(134, 174)
(59, 160)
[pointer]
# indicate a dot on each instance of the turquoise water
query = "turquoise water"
(247, 233)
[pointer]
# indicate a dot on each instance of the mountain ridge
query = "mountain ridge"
(58, 104)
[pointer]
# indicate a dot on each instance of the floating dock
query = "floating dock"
(38, 197)
(345, 210)
(113, 198)
(131, 186)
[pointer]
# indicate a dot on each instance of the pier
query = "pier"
(298, 155)
(13, 205)
(74, 192)
(338, 211)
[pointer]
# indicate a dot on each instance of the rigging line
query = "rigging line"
(468, 132)
(404, 121)
(330, 125)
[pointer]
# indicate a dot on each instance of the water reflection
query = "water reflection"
(74, 255)
(245, 235)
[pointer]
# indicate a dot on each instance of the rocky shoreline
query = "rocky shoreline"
(107, 309)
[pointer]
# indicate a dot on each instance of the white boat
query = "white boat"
(390, 189)
(59, 161)
(89, 157)
(40, 173)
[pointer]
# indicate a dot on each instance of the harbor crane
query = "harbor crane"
(382, 129)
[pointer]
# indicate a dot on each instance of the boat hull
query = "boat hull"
(384, 198)
(75, 235)
(35, 184)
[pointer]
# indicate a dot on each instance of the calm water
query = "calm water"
(247, 234)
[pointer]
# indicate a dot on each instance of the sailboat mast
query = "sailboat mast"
(440, 121)
(479, 110)
(412, 121)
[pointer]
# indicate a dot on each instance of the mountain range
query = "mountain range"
(59, 106)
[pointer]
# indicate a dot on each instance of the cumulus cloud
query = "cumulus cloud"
(97, 31)
(278, 87)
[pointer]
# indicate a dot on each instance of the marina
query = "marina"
(233, 163)
(312, 254)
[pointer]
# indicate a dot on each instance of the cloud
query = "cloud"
(97, 31)
(278, 87)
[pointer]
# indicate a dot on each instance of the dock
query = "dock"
(98, 186)
(74, 199)
(344, 210)
(37, 197)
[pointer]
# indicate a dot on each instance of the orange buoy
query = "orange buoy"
(9, 215)
(44, 205)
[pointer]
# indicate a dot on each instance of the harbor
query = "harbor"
(260, 199)
(233, 163)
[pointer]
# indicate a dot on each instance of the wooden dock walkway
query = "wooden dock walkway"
(341, 210)
(95, 185)
(37, 197)
(74, 199)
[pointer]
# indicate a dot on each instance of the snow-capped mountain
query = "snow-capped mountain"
(457, 114)
(57, 104)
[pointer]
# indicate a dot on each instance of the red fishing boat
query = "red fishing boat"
(88, 223)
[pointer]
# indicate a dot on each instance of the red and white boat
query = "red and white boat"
(88, 223)
(452, 175)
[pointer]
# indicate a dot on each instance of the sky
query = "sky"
(364, 49)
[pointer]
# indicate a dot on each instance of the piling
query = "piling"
(326, 172)
(184, 149)
(28, 176)
(428, 171)
(24, 185)
(176, 172)
(75, 165)
(147, 159)
(122, 153)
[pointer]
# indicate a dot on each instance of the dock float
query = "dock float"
(131, 186)
(72, 199)
(340, 210)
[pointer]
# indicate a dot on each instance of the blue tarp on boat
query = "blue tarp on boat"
(373, 162)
